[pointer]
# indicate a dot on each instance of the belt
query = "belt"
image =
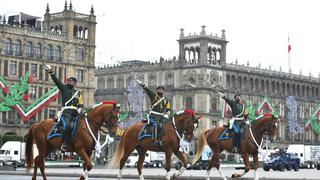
(156, 113)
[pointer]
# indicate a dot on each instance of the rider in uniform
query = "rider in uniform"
(160, 109)
(239, 112)
(72, 104)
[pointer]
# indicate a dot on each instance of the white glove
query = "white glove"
(140, 83)
(48, 68)
(166, 116)
(80, 110)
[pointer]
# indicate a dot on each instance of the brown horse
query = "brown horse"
(249, 143)
(182, 124)
(83, 143)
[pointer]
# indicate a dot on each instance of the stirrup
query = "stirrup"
(63, 147)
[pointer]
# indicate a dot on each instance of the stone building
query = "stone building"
(193, 79)
(64, 40)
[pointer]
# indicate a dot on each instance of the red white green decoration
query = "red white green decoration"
(12, 96)
(265, 105)
(314, 121)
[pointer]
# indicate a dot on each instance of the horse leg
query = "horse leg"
(184, 161)
(168, 154)
(42, 148)
(255, 166)
(142, 155)
(216, 163)
(245, 157)
(87, 163)
(35, 169)
(125, 156)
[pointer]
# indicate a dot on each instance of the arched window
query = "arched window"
(152, 80)
(75, 31)
(57, 55)
(110, 83)
(86, 33)
(8, 46)
(101, 83)
(233, 81)
(29, 49)
(17, 48)
(49, 54)
(120, 83)
(228, 80)
(169, 79)
(37, 51)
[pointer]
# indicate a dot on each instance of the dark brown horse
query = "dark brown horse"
(183, 123)
(83, 142)
(249, 143)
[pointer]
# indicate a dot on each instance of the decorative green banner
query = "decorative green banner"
(12, 96)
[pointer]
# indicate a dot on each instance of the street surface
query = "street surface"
(101, 172)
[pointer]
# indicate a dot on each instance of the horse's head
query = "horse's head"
(107, 112)
(269, 124)
(187, 122)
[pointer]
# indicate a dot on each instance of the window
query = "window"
(12, 117)
(34, 70)
(58, 54)
(7, 46)
(29, 49)
(49, 54)
(80, 75)
(169, 79)
(52, 113)
(13, 68)
(33, 92)
(80, 54)
(214, 104)
(189, 103)
(17, 48)
(153, 80)
(37, 51)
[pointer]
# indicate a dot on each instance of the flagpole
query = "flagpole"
(289, 49)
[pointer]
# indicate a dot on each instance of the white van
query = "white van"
(12, 151)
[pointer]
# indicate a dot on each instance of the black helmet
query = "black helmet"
(237, 94)
(72, 79)
(160, 87)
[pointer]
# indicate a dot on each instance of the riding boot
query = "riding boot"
(236, 142)
(65, 143)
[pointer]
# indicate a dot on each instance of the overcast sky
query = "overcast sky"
(257, 30)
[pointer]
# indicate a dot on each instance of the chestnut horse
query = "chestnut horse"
(82, 143)
(181, 124)
(249, 143)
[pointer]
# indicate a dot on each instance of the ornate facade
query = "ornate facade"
(193, 80)
(64, 40)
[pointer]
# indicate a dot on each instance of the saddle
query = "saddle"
(59, 128)
(148, 130)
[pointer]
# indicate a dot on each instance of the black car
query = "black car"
(282, 162)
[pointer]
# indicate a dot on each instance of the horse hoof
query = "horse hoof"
(236, 175)
(81, 178)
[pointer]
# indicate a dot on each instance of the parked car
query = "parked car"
(282, 161)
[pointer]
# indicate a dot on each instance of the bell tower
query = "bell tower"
(202, 48)
(80, 29)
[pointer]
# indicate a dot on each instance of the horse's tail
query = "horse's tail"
(201, 143)
(29, 148)
(118, 152)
